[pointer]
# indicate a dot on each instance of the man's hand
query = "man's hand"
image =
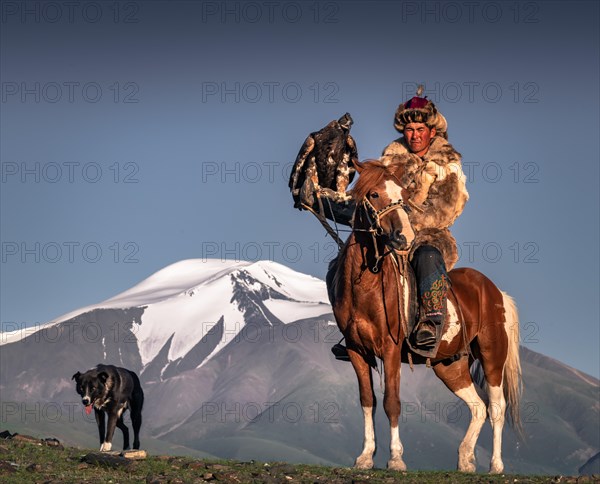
(424, 181)
(432, 169)
(335, 196)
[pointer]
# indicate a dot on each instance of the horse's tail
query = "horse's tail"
(512, 379)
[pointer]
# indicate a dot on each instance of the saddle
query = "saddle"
(414, 313)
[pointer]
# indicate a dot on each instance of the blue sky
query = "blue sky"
(137, 136)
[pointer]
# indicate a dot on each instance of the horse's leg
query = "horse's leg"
(493, 357)
(391, 404)
(457, 378)
(496, 410)
(367, 402)
(498, 347)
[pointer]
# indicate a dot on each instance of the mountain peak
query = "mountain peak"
(182, 303)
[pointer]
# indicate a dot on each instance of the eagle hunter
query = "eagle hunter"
(324, 165)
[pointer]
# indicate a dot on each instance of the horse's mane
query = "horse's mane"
(373, 171)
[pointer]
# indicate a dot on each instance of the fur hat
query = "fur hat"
(420, 110)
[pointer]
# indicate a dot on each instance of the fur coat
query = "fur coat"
(436, 184)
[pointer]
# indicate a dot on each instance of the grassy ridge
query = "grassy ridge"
(31, 460)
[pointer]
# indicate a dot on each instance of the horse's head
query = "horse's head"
(380, 204)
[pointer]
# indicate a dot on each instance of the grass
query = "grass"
(36, 461)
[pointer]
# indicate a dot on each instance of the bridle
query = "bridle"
(373, 218)
(400, 257)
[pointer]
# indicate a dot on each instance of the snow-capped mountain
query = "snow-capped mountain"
(183, 307)
(189, 300)
(235, 362)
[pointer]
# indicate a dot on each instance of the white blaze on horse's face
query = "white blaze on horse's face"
(394, 192)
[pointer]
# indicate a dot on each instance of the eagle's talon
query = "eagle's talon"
(333, 195)
(327, 192)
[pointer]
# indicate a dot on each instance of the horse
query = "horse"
(369, 287)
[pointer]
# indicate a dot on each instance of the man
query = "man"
(437, 193)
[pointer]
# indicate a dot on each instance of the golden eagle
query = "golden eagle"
(324, 165)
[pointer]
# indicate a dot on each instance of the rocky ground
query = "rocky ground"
(29, 459)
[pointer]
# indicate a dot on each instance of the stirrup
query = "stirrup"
(425, 334)
(426, 343)
(340, 352)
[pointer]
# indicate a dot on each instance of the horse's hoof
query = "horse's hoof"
(496, 466)
(466, 464)
(466, 459)
(364, 462)
(467, 467)
(396, 465)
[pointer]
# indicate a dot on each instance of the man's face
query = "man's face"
(418, 136)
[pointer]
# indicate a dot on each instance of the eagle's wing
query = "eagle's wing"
(345, 170)
(298, 174)
(353, 158)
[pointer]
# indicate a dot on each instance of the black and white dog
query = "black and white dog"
(113, 390)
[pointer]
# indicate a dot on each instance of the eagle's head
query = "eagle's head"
(346, 121)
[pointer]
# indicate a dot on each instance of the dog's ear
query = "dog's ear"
(103, 376)
(76, 376)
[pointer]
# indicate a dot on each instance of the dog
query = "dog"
(112, 390)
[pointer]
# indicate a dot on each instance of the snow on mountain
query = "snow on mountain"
(184, 301)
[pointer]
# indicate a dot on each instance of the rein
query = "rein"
(401, 269)
(399, 259)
